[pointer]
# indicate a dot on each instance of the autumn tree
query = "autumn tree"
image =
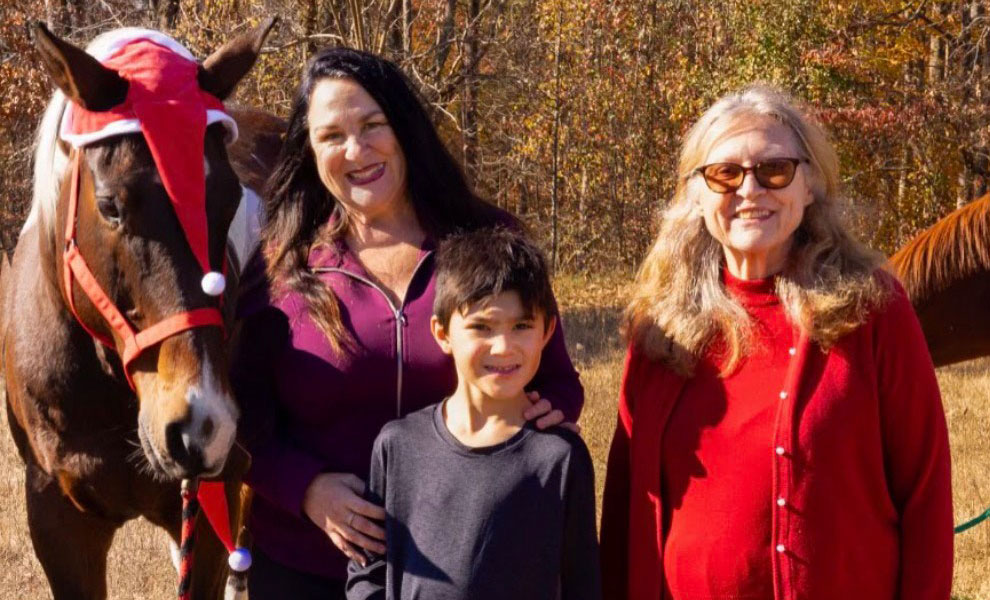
(570, 112)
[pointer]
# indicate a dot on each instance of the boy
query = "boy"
(480, 504)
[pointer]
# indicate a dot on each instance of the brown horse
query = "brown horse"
(78, 425)
(946, 272)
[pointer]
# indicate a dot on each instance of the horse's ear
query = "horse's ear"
(80, 76)
(224, 68)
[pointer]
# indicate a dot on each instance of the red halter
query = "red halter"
(135, 343)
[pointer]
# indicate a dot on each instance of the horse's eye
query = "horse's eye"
(109, 209)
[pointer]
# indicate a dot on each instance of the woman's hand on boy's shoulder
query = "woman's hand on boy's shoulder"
(546, 415)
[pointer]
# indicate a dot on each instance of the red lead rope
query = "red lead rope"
(190, 508)
(209, 494)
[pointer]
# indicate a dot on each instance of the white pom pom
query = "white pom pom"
(213, 283)
(239, 560)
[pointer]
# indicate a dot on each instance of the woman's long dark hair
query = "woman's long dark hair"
(299, 207)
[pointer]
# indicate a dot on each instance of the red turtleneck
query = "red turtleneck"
(716, 476)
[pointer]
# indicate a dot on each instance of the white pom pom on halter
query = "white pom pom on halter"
(239, 560)
(213, 283)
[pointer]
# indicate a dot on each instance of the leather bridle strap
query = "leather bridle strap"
(76, 269)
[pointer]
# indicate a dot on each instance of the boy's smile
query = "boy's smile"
(502, 370)
(496, 347)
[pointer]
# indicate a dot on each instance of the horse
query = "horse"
(945, 270)
(103, 439)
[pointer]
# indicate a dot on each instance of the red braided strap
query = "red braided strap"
(187, 541)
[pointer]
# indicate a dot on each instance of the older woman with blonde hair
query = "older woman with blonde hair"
(780, 430)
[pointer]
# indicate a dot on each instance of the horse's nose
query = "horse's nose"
(185, 446)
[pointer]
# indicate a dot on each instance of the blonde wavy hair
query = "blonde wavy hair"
(828, 285)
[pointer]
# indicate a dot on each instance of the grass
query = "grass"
(139, 564)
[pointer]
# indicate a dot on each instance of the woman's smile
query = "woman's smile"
(755, 215)
(367, 174)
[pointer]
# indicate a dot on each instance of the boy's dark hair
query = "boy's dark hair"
(475, 265)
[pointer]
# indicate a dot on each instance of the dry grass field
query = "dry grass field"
(139, 564)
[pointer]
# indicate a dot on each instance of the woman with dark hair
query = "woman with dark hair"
(336, 339)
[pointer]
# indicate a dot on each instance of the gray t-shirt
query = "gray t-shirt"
(511, 521)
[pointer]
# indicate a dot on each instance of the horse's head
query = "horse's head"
(131, 233)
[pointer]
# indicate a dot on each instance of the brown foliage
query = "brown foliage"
(24, 90)
(569, 112)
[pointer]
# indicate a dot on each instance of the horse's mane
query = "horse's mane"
(954, 247)
(50, 163)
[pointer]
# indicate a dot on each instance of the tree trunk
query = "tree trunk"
(522, 207)
(357, 24)
(902, 182)
(446, 37)
(57, 16)
(168, 14)
(310, 14)
(967, 49)
(582, 201)
(978, 13)
(334, 18)
(469, 100)
(936, 57)
(406, 27)
(394, 30)
(554, 198)
(964, 183)
(61, 16)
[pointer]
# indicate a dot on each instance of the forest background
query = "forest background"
(570, 114)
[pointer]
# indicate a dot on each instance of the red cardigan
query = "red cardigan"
(860, 454)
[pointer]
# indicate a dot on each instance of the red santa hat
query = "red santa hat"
(166, 105)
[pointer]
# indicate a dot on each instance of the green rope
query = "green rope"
(973, 522)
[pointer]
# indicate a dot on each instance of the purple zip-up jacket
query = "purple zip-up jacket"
(307, 409)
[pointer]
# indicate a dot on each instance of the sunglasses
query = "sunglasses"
(773, 174)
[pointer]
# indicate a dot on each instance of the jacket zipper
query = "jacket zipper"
(400, 319)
